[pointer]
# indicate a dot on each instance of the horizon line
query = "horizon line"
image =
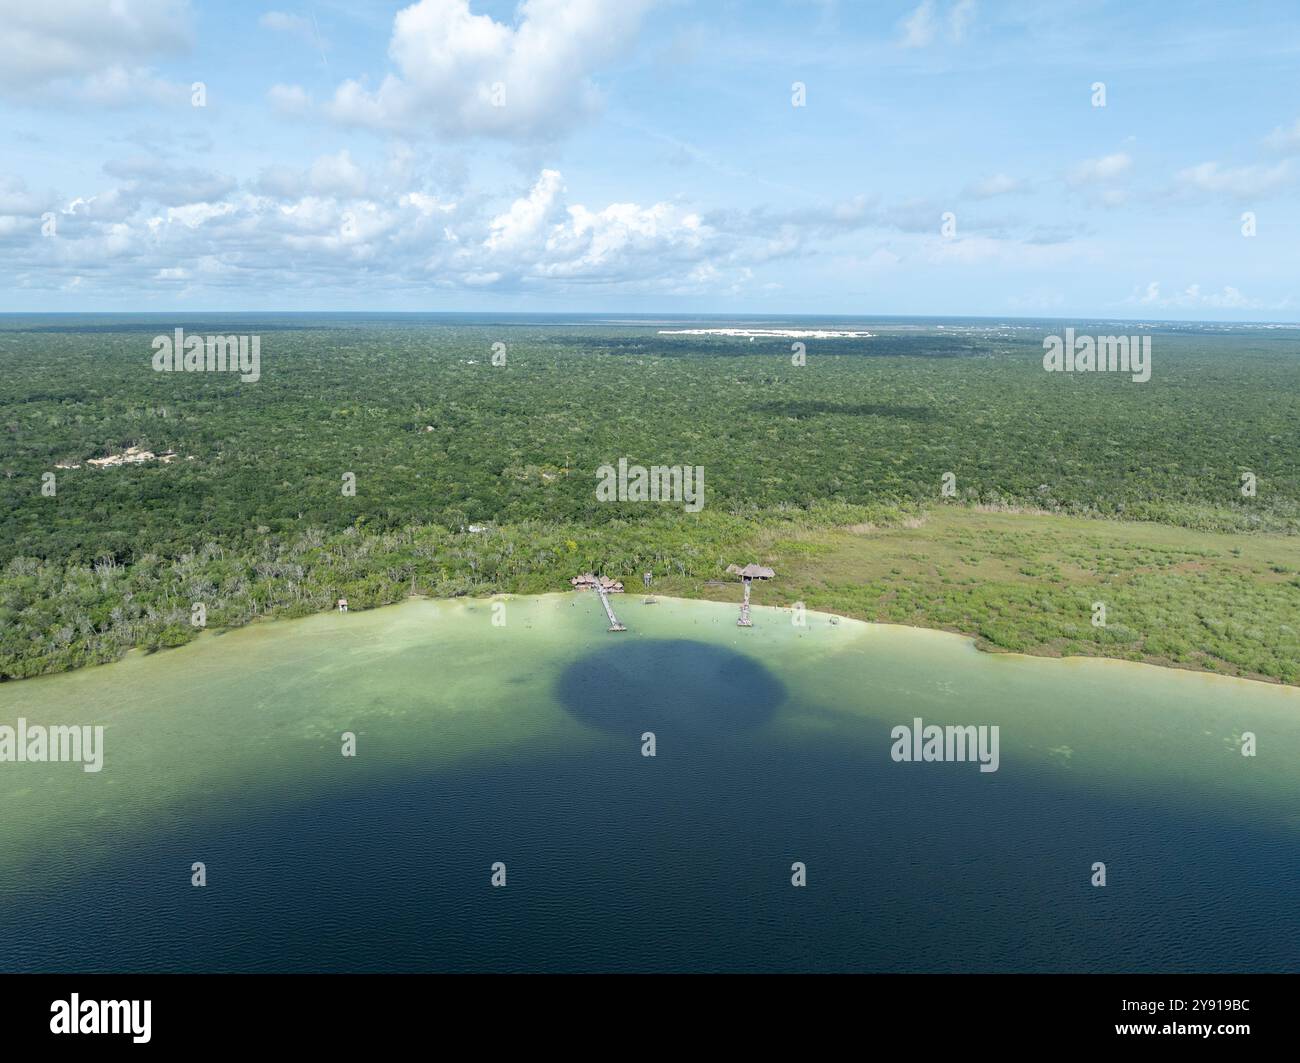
(662, 314)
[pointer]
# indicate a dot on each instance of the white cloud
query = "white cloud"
(1285, 138)
(312, 228)
(454, 67)
(594, 242)
(328, 176)
(119, 86)
(997, 185)
(920, 27)
(1106, 168)
(1243, 182)
(963, 13)
(1192, 297)
(923, 26)
(192, 215)
(337, 175)
(525, 224)
(16, 199)
(282, 181)
(93, 50)
(290, 100)
(147, 178)
(426, 204)
(539, 236)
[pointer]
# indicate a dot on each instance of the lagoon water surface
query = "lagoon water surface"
(522, 744)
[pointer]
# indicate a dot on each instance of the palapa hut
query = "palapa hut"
(751, 571)
(589, 581)
(748, 574)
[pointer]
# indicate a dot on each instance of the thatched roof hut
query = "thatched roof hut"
(589, 581)
(751, 571)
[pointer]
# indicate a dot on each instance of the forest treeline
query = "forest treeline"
(252, 516)
(55, 616)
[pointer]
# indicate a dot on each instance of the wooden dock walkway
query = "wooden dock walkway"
(744, 620)
(614, 624)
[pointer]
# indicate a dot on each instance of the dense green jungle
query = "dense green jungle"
(474, 478)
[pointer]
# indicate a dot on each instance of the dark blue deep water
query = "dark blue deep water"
(682, 862)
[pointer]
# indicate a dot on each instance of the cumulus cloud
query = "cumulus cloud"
(329, 175)
(1106, 168)
(1242, 182)
(1102, 180)
(541, 236)
(624, 236)
(20, 210)
(16, 199)
(317, 226)
(344, 223)
(337, 175)
(461, 74)
(147, 179)
(96, 52)
(529, 217)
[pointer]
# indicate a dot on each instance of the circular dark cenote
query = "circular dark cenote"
(670, 685)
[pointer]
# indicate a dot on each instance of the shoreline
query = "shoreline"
(136, 654)
(1012, 581)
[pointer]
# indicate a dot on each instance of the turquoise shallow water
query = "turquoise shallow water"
(521, 743)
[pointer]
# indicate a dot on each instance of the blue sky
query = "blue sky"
(630, 155)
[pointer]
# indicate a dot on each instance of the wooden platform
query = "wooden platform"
(614, 624)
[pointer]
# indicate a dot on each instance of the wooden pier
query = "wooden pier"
(614, 624)
(747, 575)
(603, 586)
